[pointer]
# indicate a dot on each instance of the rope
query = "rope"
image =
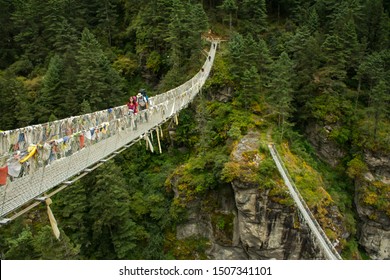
(52, 220)
(158, 140)
(176, 120)
(148, 143)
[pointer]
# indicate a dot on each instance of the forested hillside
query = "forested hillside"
(313, 75)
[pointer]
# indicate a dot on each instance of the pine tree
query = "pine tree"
(230, 7)
(313, 21)
(249, 93)
(107, 16)
(70, 207)
(254, 11)
(281, 90)
(7, 46)
(332, 75)
(198, 24)
(7, 84)
(264, 61)
(375, 25)
(114, 234)
(97, 81)
(21, 247)
(38, 27)
(46, 103)
(49, 248)
(379, 105)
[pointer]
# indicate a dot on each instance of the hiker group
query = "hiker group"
(138, 102)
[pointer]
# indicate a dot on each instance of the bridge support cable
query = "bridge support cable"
(323, 241)
(73, 147)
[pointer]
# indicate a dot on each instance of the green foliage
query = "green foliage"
(200, 174)
(375, 194)
(47, 99)
(21, 247)
(14, 103)
(154, 62)
(281, 90)
(50, 248)
(255, 12)
(125, 65)
(356, 168)
(234, 132)
(222, 76)
(351, 251)
(97, 82)
(223, 225)
(189, 249)
(229, 6)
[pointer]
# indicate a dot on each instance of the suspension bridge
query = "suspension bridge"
(39, 161)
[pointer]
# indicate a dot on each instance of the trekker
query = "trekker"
(142, 102)
(146, 97)
(132, 105)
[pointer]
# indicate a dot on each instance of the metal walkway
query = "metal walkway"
(72, 147)
(324, 242)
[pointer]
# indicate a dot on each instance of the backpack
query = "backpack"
(141, 101)
(144, 94)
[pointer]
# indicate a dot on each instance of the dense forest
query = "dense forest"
(285, 67)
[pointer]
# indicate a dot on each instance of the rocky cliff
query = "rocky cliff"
(372, 190)
(327, 149)
(248, 218)
(372, 199)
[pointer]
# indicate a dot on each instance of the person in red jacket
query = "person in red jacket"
(132, 105)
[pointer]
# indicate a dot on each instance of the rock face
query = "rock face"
(375, 224)
(326, 148)
(267, 230)
(260, 228)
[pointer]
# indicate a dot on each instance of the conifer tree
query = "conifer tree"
(333, 73)
(250, 88)
(97, 81)
(21, 247)
(281, 90)
(49, 96)
(379, 105)
(71, 207)
(7, 46)
(49, 248)
(230, 7)
(264, 62)
(8, 102)
(114, 234)
(313, 21)
(374, 25)
(106, 14)
(255, 11)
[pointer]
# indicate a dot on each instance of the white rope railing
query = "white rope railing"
(64, 148)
